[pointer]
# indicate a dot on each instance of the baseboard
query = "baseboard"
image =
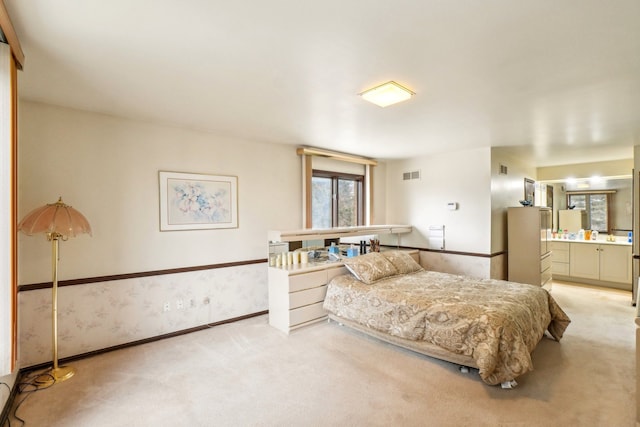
(600, 283)
(66, 360)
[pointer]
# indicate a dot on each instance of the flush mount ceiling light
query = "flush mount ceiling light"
(387, 94)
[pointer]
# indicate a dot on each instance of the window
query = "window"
(337, 199)
(597, 207)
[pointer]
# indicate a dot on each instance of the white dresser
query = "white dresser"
(297, 291)
(529, 231)
(296, 294)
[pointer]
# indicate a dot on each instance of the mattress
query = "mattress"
(494, 323)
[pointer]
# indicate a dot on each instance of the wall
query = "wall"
(107, 168)
(506, 190)
(460, 177)
(476, 232)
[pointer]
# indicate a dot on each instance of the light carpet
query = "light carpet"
(249, 374)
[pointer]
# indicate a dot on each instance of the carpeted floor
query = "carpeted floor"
(249, 374)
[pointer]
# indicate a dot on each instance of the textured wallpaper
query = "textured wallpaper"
(99, 315)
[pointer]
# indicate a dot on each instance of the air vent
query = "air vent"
(503, 170)
(406, 176)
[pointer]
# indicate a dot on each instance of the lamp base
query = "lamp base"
(52, 376)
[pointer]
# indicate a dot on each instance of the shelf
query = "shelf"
(337, 232)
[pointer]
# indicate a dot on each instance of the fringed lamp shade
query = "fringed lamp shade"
(55, 218)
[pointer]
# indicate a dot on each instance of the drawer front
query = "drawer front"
(545, 263)
(560, 268)
(306, 297)
(314, 279)
(560, 246)
(306, 314)
(560, 256)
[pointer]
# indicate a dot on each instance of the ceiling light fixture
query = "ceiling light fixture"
(387, 94)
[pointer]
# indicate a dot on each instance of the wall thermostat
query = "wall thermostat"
(452, 206)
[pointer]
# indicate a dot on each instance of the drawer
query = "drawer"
(560, 256)
(560, 268)
(545, 263)
(306, 297)
(314, 279)
(306, 314)
(560, 246)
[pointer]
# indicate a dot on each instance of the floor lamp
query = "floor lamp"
(57, 221)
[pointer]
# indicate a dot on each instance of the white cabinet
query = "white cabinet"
(529, 255)
(615, 263)
(296, 294)
(560, 258)
(601, 262)
(585, 261)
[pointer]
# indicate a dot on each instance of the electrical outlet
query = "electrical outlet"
(179, 304)
(192, 303)
(166, 306)
(206, 301)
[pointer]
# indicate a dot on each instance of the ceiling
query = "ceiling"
(557, 81)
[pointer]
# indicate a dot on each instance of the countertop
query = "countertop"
(599, 241)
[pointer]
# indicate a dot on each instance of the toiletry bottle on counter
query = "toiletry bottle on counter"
(352, 251)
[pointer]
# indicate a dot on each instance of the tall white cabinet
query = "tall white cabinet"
(529, 233)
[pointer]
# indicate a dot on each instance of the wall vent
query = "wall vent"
(503, 170)
(406, 176)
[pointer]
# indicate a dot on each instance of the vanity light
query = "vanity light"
(387, 94)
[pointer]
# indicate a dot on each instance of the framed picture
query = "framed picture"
(195, 202)
(529, 190)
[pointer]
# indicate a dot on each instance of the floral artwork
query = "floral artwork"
(193, 201)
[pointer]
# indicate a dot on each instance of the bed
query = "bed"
(491, 325)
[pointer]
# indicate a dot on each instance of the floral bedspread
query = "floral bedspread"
(497, 323)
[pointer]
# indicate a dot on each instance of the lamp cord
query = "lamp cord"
(8, 423)
(27, 387)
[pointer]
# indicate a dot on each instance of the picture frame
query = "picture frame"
(190, 201)
(529, 191)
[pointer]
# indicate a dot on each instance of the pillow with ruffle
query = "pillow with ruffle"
(370, 268)
(402, 261)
